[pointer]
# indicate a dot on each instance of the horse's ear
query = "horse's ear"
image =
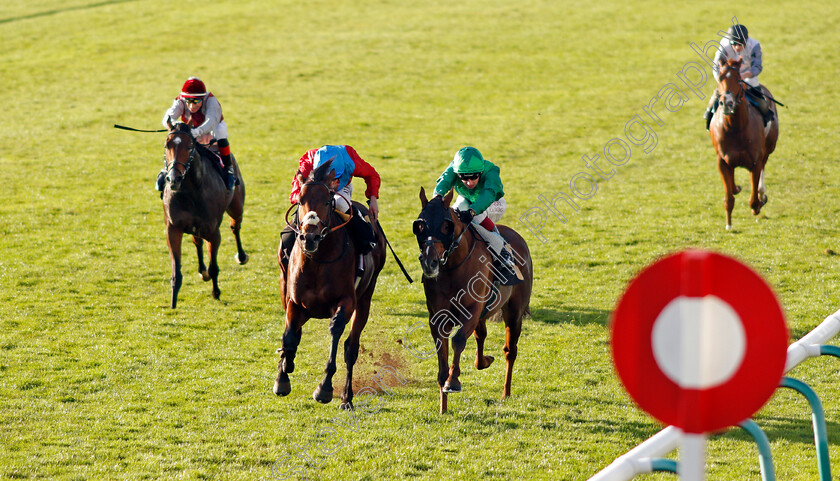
(722, 62)
(169, 123)
(423, 199)
(300, 178)
(448, 198)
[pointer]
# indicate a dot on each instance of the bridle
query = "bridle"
(170, 165)
(449, 242)
(327, 227)
(739, 97)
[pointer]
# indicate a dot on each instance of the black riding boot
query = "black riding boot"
(161, 181)
(287, 241)
(710, 110)
(362, 233)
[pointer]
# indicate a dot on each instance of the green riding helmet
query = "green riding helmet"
(468, 161)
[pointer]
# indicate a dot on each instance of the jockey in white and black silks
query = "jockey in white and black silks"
(201, 110)
(737, 44)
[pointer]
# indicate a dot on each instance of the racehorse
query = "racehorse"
(460, 295)
(194, 202)
(740, 138)
(318, 283)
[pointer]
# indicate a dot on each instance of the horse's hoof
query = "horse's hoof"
(241, 260)
(728, 226)
(282, 388)
(452, 386)
(216, 294)
(487, 361)
(205, 276)
(737, 189)
(323, 395)
(346, 406)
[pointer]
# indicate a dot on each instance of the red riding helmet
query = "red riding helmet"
(193, 88)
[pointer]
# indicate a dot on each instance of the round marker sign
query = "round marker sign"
(699, 341)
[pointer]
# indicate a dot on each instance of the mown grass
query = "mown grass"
(100, 380)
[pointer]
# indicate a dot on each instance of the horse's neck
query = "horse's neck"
(466, 247)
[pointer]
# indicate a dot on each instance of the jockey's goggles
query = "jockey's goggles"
(191, 100)
(473, 176)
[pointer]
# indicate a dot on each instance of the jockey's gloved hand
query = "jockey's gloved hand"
(194, 133)
(466, 216)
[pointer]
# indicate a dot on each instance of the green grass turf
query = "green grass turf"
(99, 379)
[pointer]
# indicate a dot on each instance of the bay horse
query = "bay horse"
(194, 201)
(740, 138)
(319, 283)
(460, 296)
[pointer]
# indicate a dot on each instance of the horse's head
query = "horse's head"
(435, 229)
(178, 153)
(729, 85)
(317, 203)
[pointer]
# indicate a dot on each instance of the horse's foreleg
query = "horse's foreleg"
(513, 328)
(324, 392)
(459, 343)
(199, 249)
(755, 194)
(295, 318)
(727, 173)
(351, 345)
(443, 365)
(481, 361)
(213, 269)
(173, 240)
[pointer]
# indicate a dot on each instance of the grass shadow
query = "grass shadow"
(577, 316)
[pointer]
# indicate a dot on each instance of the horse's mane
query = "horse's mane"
(320, 174)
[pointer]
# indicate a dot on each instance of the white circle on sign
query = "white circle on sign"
(698, 342)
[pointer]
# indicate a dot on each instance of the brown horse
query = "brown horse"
(319, 283)
(740, 138)
(194, 201)
(460, 296)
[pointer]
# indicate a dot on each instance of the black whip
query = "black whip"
(137, 130)
(405, 273)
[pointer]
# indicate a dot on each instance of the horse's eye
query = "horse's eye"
(447, 227)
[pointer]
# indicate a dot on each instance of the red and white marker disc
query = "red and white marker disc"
(699, 341)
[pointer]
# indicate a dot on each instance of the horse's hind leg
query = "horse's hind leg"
(727, 173)
(202, 269)
(173, 240)
(235, 210)
(295, 318)
(762, 188)
(324, 392)
(351, 345)
(481, 361)
(513, 328)
(213, 269)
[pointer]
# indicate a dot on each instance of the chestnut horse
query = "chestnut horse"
(319, 283)
(194, 202)
(740, 138)
(460, 296)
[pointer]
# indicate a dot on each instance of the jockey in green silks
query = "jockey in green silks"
(480, 197)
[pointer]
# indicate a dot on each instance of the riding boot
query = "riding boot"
(710, 110)
(161, 180)
(287, 241)
(362, 233)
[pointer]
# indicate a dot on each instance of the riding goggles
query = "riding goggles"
(469, 176)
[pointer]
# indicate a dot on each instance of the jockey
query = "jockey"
(199, 109)
(739, 44)
(480, 197)
(346, 164)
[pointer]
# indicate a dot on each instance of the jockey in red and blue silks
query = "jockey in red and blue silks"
(202, 111)
(346, 164)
